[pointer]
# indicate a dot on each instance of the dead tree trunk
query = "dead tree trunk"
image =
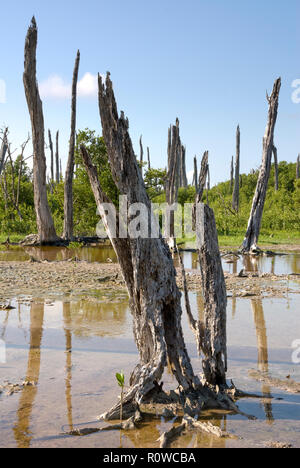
(51, 155)
(183, 177)
(68, 189)
(141, 153)
(298, 168)
(46, 229)
(195, 174)
(252, 234)
(231, 174)
(213, 341)
(149, 274)
(57, 175)
(3, 150)
(201, 186)
(148, 156)
(275, 167)
(172, 183)
(236, 191)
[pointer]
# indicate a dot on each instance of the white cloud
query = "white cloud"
(55, 87)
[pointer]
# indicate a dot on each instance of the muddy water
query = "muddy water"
(281, 264)
(73, 348)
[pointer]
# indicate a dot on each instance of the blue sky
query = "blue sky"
(209, 62)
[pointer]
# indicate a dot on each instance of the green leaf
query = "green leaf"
(120, 379)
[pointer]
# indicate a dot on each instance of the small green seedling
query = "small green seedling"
(121, 382)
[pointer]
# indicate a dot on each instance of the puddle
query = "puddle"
(281, 264)
(73, 348)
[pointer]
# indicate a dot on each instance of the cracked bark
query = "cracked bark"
(45, 224)
(150, 277)
(68, 189)
(254, 223)
(172, 183)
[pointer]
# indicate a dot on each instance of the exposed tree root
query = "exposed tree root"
(189, 423)
(288, 385)
(127, 425)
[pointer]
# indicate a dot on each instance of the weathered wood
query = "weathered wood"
(148, 157)
(51, 155)
(146, 265)
(213, 342)
(231, 174)
(254, 223)
(201, 184)
(195, 179)
(3, 149)
(236, 190)
(68, 188)
(275, 167)
(183, 177)
(141, 153)
(45, 224)
(57, 175)
(298, 168)
(172, 182)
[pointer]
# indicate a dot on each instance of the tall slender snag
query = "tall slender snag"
(57, 175)
(68, 189)
(45, 224)
(3, 149)
(254, 223)
(236, 190)
(275, 168)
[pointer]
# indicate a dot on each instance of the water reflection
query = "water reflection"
(21, 429)
(263, 358)
(97, 318)
(68, 380)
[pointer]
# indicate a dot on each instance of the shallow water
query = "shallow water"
(73, 348)
(282, 264)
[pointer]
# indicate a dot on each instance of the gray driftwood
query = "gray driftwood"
(44, 219)
(68, 189)
(254, 223)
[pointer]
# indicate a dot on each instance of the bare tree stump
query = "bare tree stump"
(172, 183)
(45, 224)
(51, 155)
(254, 223)
(297, 168)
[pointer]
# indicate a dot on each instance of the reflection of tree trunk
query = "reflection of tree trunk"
(233, 307)
(68, 335)
(262, 347)
(22, 433)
